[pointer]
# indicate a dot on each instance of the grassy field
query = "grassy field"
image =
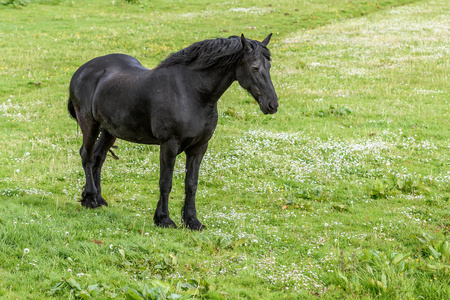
(343, 194)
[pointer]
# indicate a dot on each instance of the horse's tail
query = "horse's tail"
(71, 109)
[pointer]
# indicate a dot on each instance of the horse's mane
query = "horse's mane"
(221, 53)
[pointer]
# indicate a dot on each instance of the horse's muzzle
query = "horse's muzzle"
(273, 107)
(270, 108)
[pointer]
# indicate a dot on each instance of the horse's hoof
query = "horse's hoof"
(194, 225)
(88, 202)
(165, 223)
(92, 201)
(101, 201)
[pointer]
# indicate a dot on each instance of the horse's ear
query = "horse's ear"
(245, 43)
(266, 40)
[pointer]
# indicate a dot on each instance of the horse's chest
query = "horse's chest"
(201, 127)
(197, 127)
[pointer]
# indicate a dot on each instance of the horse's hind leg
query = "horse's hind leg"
(90, 130)
(103, 144)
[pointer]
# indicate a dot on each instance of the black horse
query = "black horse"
(173, 105)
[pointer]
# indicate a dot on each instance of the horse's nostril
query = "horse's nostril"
(273, 105)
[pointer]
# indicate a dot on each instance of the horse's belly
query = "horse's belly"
(135, 136)
(132, 127)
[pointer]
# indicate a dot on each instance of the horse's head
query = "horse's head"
(253, 74)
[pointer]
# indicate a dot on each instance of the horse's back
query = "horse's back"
(85, 80)
(111, 61)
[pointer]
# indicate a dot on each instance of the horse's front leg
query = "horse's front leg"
(189, 213)
(168, 154)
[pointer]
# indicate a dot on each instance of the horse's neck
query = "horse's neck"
(214, 84)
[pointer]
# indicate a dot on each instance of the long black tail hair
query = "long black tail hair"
(71, 109)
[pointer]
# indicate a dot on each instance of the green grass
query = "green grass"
(344, 193)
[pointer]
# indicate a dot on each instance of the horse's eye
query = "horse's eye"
(255, 69)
